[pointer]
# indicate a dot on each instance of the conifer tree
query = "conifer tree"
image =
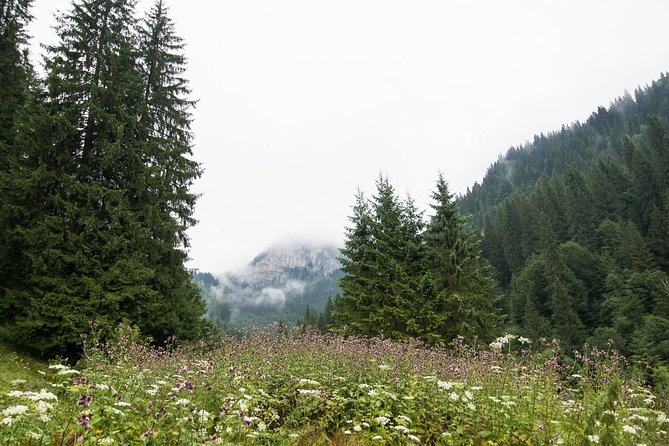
(163, 194)
(355, 309)
(15, 70)
(104, 183)
(464, 288)
(405, 279)
(15, 93)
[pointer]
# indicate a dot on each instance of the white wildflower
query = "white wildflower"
(105, 441)
(471, 406)
(402, 429)
(44, 395)
(15, 410)
(116, 411)
(382, 420)
(44, 418)
(310, 382)
(446, 385)
(202, 414)
(7, 421)
(414, 438)
(468, 395)
(182, 402)
(357, 428)
(347, 432)
(629, 429)
(58, 367)
(68, 372)
(593, 438)
(404, 418)
(377, 438)
(124, 404)
(454, 396)
(43, 406)
(523, 340)
(372, 393)
(15, 394)
(16, 382)
(308, 391)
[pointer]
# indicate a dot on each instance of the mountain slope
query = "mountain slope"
(277, 285)
(577, 145)
(576, 224)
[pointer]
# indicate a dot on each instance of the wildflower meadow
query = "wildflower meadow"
(287, 387)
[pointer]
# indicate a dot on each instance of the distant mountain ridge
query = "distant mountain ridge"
(277, 285)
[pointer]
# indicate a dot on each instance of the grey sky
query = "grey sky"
(302, 102)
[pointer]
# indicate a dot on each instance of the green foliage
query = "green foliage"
(297, 388)
(404, 277)
(579, 237)
(97, 186)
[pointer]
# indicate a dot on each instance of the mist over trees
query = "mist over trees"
(95, 179)
(576, 226)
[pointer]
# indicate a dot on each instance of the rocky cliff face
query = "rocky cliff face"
(277, 261)
(277, 285)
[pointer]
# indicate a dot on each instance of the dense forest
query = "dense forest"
(95, 174)
(576, 226)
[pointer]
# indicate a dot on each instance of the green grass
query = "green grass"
(291, 389)
(15, 366)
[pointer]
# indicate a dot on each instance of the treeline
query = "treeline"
(578, 232)
(405, 276)
(574, 146)
(95, 174)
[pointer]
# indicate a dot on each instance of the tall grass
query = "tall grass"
(286, 388)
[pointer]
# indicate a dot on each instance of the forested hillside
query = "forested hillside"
(576, 225)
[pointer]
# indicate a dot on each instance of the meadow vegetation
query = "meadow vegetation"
(288, 387)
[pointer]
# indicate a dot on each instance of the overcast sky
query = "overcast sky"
(303, 102)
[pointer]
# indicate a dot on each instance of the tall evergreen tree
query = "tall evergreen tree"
(403, 278)
(163, 195)
(105, 188)
(15, 70)
(464, 289)
(15, 79)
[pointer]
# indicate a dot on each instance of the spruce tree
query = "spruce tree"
(15, 93)
(405, 279)
(105, 189)
(357, 305)
(163, 193)
(15, 70)
(464, 288)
